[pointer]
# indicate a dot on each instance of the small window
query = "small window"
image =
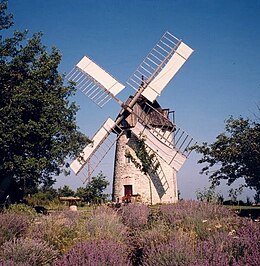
(128, 159)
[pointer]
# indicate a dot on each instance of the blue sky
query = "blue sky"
(220, 79)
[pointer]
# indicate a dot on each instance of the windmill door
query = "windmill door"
(128, 192)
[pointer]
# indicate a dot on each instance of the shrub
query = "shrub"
(135, 215)
(216, 250)
(175, 213)
(43, 198)
(157, 234)
(248, 241)
(12, 263)
(143, 240)
(28, 251)
(231, 248)
(202, 218)
(105, 223)
(21, 209)
(12, 225)
(96, 252)
(175, 252)
(58, 229)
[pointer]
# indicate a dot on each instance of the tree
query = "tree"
(235, 154)
(94, 190)
(209, 195)
(65, 191)
(38, 130)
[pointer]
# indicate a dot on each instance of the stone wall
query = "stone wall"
(156, 188)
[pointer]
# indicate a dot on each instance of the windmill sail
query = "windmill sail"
(160, 66)
(174, 154)
(141, 114)
(90, 149)
(95, 82)
(156, 86)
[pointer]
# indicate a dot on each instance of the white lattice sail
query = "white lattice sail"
(160, 66)
(173, 154)
(94, 81)
(90, 149)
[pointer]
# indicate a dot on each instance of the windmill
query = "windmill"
(140, 120)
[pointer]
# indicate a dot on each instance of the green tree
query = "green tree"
(38, 129)
(209, 195)
(65, 191)
(235, 154)
(94, 190)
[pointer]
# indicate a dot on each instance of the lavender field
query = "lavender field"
(187, 233)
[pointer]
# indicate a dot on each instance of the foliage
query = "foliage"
(176, 252)
(257, 197)
(135, 215)
(13, 225)
(96, 252)
(146, 161)
(209, 195)
(65, 191)
(13, 263)
(94, 190)
(248, 241)
(22, 209)
(195, 233)
(6, 20)
(235, 154)
(42, 197)
(24, 250)
(200, 219)
(234, 193)
(105, 223)
(58, 229)
(38, 127)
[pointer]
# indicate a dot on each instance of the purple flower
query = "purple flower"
(12, 225)
(27, 251)
(95, 253)
(135, 215)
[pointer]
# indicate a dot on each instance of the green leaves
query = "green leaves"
(6, 20)
(146, 161)
(38, 130)
(94, 190)
(235, 154)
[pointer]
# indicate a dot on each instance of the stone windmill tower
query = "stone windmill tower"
(131, 184)
(150, 150)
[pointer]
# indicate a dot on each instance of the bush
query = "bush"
(201, 218)
(241, 247)
(12, 263)
(21, 209)
(135, 215)
(146, 239)
(58, 229)
(41, 199)
(104, 222)
(28, 251)
(175, 252)
(175, 213)
(158, 233)
(187, 233)
(96, 252)
(217, 249)
(248, 241)
(12, 225)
